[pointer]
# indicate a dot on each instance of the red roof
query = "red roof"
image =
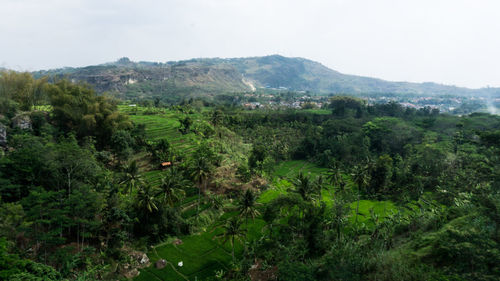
(165, 164)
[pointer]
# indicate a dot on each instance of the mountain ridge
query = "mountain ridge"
(229, 75)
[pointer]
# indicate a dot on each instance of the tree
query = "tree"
(27, 163)
(216, 201)
(340, 104)
(146, 198)
(161, 150)
(72, 165)
(257, 156)
(339, 214)
(202, 167)
(380, 175)
(201, 171)
(47, 216)
(216, 117)
(185, 124)
(122, 144)
(22, 88)
(157, 102)
(131, 177)
(360, 178)
(76, 108)
(115, 221)
(171, 187)
(247, 206)
(232, 233)
(334, 176)
(12, 267)
(305, 187)
(84, 206)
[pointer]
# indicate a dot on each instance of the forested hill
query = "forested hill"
(215, 75)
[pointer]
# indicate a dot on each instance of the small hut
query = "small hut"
(160, 264)
(165, 165)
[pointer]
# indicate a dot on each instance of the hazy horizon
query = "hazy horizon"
(446, 42)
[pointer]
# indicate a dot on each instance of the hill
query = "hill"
(215, 75)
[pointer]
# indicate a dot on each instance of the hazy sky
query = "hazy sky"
(447, 41)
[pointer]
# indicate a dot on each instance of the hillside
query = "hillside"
(212, 76)
(94, 191)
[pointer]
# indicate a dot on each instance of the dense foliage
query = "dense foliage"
(83, 188)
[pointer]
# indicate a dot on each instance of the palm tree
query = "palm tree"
(303, 186)
(216, 201)
(216, 117)
(146, 198)
(360, 178)
(334, 176)
(340, 211)
(318, 185)
(131, 178)
(247, 206)
(232, 233)
(171, 187)
(200, 173)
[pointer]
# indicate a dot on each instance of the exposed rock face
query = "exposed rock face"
(22, 121)
(3, 135)
(161, 264)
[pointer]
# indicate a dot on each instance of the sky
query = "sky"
(455, 42)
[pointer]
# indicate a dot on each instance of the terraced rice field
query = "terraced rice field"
(165, 125)
(290, 169)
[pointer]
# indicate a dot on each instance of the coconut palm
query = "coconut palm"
(247, 206)
(360, 178)
(146, 198)
(318, 185)
(171, 187)
(131, 177)
(339, 213)
(334, 176)
(232, 233)
(303, 186)
(216, 201)
(201, 171)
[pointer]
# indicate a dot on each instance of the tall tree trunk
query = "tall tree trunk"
(199, 201)
(78, 237)
(232, 243)
(357, 207)
(83, 237)
(338, 231)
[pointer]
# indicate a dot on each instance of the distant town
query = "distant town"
(282, 99)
